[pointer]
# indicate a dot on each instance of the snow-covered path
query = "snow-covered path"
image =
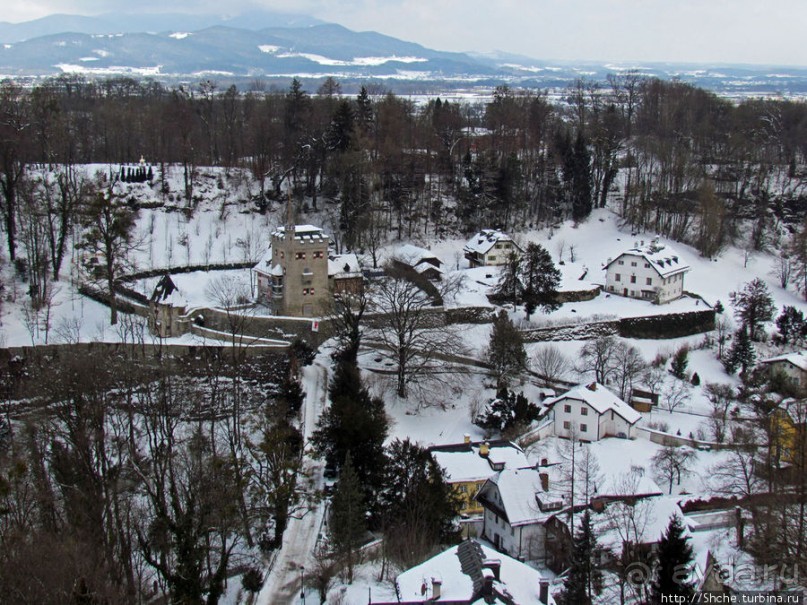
(282, 584)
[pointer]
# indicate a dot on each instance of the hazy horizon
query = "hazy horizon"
(732, 32)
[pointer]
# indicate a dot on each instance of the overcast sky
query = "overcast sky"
(705, 31)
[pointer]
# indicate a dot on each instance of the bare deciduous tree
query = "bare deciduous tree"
(551, 364)
(416, 337)
(671, 463)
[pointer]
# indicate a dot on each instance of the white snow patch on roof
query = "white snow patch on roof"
(600, 399)
(518, 579)
(517, 490)
(469, 465)
(798, 359)
(485, 240)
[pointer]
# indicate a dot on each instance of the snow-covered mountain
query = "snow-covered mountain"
(270, 45)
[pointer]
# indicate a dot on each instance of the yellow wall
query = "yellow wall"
(466, 490)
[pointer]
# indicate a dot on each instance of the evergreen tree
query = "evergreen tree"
(150, 174)
(674, 563)
(355, 422)
(506, 351)
(581, 181)
(510, 287)
(541, 280)
(679, 363)
(348, 522)
(741, 354)
(506, 411)
(417, 505)
(791, 325)
(753, 306)
(339, 136)
(584, 578)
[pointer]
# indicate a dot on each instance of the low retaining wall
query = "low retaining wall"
(677, 440)
(656, 327)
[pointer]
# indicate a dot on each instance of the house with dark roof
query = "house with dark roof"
(472, 574)
(652, 272)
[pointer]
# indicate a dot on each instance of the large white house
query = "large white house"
(518, 505)
(652, 272)
(490, 247)
(591, 412)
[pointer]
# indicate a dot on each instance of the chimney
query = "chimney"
(494, 565)
(437, 587)
(544, 481)
(487, 582)
(543, 591)
(544, 462)
(466, 439)
(484, 449)
(592, 387)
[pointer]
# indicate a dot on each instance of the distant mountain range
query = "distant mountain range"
(274, 47)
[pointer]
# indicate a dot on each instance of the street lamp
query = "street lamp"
(302, 585)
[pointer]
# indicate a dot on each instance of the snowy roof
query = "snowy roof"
(625, 467)
(460, 571)
(486, 239)
(663, 259)
(343, 265)
(798, 359)
(462, 462)
(651, 516)
(302, 232)
(600, 399)
(167, 293)
(264, 264)
(414, 255)
(517, 490)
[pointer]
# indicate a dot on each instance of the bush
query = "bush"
(252, 580)
(696, 380)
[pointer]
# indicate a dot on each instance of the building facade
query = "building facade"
(293, 275)
(591, 412)
(651, 272)
(490, 248)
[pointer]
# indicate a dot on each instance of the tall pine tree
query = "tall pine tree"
(541, 280)
(584, 579)
(348, 517)
(674, 565)
(355, 422)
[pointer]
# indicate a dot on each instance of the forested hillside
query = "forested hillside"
(667, 157)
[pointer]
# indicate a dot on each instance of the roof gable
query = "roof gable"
(662, 259)
(600, 399)
(483, 241)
